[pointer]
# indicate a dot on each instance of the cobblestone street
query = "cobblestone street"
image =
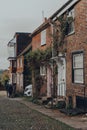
(19, 114)
(16, 116)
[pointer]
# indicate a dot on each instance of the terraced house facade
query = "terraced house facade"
(70, 61)
(16, 46)
(72, 65)
(42, 40)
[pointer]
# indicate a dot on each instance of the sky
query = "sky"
(22, 16)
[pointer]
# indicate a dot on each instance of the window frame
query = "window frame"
(71, 26)
(77, 68)
(43, 37)
(18, 62)
(21, 63)
(43, 70)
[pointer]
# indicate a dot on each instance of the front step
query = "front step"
(56, 102)
(44, 100)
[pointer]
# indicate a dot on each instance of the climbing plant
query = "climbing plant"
(61, 28)
(35, 60)
(38, 56)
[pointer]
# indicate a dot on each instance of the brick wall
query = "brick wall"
(75, 42)
(36, 44)
(36, 40)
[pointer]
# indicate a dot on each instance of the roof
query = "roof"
(41, 27)
(59, 12)
(64, 8)
(25, 50)
(13, 40)
(12, 58)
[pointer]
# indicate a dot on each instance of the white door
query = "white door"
(61, 91)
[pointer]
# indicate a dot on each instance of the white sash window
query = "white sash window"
(43, 37)
(78, 68)
(42, 70)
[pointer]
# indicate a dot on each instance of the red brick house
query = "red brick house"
(23, 73)
(42, 39)
(72, 65)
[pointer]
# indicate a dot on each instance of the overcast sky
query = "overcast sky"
(22, 16)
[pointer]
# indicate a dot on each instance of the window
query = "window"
(21, 62)
(17, 62)
(14, 78)
(42, 70)
(43, 37)
(71, 16)
(10, 63)
(78, 68)
(18, 80)
(14, 64)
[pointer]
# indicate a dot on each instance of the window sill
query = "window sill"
(71, 33)
(43, 44)
(42, 74)
(80, 84)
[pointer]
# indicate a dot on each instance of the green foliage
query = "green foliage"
(4, 78)
(61, 105)
(69, 106)
(38, 56)
(31, 99)
(60, 32)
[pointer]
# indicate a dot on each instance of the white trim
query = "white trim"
(67, 7)
(43, 37)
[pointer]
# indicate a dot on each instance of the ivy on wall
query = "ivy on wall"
(38, 56)
(60, 31)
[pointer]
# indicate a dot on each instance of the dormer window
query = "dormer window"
(43, 37)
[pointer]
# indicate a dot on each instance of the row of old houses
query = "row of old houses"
(64, 73)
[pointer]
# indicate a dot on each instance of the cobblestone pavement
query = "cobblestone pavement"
(15, 115)
(18, 114)
(78, 122)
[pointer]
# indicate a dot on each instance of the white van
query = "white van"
(28, 90)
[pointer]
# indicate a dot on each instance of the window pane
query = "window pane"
(78, 75)
(42, 70)
(43, 37)
(78, 60)
(14, 78)
(71, 27)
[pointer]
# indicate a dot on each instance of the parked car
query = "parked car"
(28, 90)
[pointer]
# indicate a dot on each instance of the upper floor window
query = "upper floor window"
(42, 70)
(10, 63)
(78, 68)
(21, 62)
(14, 64)
(43, 37)
(70, 17)
(18, 64)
